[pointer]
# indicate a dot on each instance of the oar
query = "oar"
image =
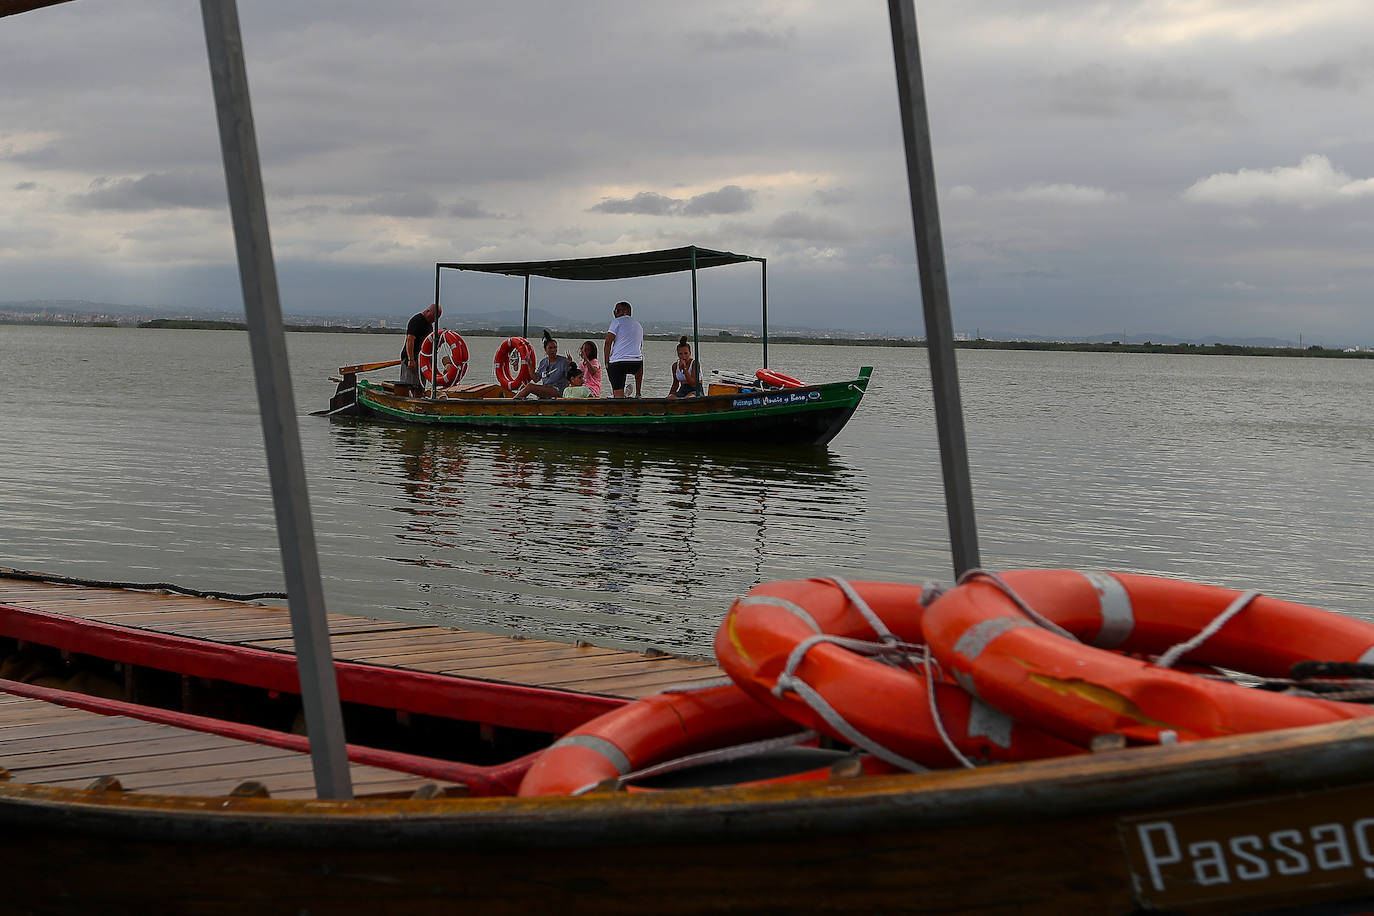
(367, 367)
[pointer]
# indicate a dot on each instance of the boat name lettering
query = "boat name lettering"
(773, 400)
(1243, 850)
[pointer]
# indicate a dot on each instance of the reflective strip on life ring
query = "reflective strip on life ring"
(453, 365)
(777, 379)
(648, 731)
(888, 705)
(514, 362)
(1077, 690)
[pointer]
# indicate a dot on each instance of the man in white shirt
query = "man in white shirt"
(624, 351)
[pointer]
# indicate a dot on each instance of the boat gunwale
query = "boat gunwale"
(1255, 768)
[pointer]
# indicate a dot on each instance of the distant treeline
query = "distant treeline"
(1215, 349)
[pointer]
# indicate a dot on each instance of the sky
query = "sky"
(1193, 168)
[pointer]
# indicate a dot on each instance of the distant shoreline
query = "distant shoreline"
(726, 337)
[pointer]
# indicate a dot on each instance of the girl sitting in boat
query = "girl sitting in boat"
(550, 376)
(577, 388)
(591, 368)
(685, 371)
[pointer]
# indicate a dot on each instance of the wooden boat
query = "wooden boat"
(1176, 828)
(1272, 821)
(811, 414)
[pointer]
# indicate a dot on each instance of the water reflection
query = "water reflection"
(606, 538)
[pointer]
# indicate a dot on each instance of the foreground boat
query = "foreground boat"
(1261, 821)
(810, 415)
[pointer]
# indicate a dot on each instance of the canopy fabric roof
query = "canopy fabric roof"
(615, 267)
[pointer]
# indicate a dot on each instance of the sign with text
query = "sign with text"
(1267, 848)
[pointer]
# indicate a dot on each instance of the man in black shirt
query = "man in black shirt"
(420, 326)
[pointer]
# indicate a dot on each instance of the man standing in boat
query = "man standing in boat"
(421, 326)
(624, 351)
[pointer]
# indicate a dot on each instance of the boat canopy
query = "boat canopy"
(614, 267)
(688, 258)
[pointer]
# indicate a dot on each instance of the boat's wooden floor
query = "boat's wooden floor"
(422, 647)
(49, 745)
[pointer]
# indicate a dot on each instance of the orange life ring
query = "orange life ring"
(777, 379)
(514, 362)
(888, 705)
(1079, 689)
(454, 364)
(649, 731)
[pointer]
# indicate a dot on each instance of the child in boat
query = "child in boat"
(575, 387)
(685, 371)
(591, 368)
(550, 376)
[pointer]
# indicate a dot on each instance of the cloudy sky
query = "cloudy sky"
(1188, 167)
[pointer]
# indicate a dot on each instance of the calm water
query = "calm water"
(137, 456)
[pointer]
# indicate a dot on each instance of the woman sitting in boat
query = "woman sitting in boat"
(577, 387)
(685, 371)
(591, 367)
(550, 376)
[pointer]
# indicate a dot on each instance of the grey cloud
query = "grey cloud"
(805, 227)
(645, 203)
(155, 191)
(1349, 73)
(1095, 90)
(470, 209)
(729, 199)
(830, 197)
(746, 39)
(42, 155)
(415, 204)
(26, 186)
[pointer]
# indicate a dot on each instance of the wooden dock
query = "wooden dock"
(420, 647)
(49, 745)
(44, 742)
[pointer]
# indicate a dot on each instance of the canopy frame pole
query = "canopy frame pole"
(525, 329)
(763, 274)
(281, 435)
(930, 260)
(696, 330)
(434, 351)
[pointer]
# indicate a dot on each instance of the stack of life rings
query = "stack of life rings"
(453, 365)
(1002, 667)
(514, 362)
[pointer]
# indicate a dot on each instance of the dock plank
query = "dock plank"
(416, 646)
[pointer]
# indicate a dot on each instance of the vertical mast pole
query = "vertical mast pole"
(696, 331)
(434, 347)
(286, 466)
(525, 330)
(763, 265)
(930, 260)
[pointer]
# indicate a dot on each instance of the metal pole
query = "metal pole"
(930, 260)
(763, 263)
(434, 349)
(525, 329)
(276, 403)
(696, 331)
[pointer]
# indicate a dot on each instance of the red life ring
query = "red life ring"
(453, 364)
(1079, 689)
(514, 362)
(777, 379)
(888, 705)
(648, 731)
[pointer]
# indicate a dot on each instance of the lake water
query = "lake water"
(136, 455)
